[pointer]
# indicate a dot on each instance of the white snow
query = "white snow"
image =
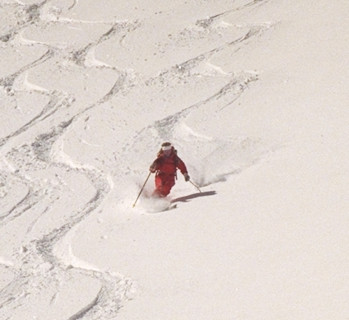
(253, 94)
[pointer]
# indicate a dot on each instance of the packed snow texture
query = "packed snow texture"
(254, 96)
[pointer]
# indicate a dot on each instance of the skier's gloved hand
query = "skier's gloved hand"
(186, 177)
(152, 169)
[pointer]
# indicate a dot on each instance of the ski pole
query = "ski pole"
(139, 194)
(195, 185)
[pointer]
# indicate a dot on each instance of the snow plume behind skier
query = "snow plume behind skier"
(165, 168)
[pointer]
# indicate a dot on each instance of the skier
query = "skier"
(165, 167)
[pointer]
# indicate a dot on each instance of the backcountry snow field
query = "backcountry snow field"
(252, 94)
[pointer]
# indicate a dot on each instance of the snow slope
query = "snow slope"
(253, 95)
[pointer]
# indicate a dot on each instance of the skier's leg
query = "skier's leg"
(168, 183)
(158, 192)
(163, 185)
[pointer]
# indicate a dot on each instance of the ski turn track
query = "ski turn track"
(36, 264)
(35, 267)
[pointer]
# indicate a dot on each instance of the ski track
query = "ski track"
(35, 266)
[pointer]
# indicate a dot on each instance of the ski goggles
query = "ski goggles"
(166, 148)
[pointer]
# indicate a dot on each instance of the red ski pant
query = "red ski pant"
(163, 184)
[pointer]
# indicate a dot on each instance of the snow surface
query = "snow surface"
(252, 93)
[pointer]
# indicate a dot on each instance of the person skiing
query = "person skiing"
(165, 168)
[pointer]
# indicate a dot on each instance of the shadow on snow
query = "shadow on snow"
(193, 196)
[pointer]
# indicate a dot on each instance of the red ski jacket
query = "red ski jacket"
(168, 164)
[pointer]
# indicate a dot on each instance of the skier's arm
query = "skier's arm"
(154, 166)
(182, 167)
